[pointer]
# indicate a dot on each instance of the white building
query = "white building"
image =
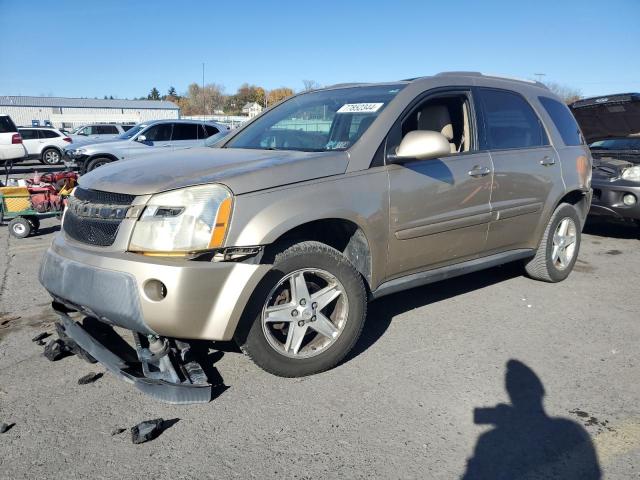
(252, 109)
(72, 112)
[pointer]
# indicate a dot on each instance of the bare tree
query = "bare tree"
(310, 85)
(566, 93)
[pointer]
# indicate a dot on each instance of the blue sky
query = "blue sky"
(124, 48)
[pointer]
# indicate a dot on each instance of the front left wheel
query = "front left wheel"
(51, 156)
(313, 311)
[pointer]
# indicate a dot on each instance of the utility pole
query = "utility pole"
(204, 100)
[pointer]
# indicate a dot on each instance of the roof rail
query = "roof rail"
(503, 77)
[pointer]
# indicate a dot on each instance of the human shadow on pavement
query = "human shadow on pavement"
(381, 312)
(525, 442)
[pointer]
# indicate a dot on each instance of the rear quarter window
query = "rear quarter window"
(7, 125)
(563, 120)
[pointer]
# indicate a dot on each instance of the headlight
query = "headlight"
(632, 173)
(75, 152)
(182, 221)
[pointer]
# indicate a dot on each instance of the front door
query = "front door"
(439, 208)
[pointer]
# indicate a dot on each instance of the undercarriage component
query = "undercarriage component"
(161, 368)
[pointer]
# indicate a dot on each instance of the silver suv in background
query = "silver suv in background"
(279, 236)
(99, 131)
(142, 139)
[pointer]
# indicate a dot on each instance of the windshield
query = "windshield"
(617, 144)
(317, 121)
(132, 132)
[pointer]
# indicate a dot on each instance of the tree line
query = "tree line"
(211, 98)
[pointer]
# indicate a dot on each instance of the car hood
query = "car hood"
(80, 141)
(242, 170)
(608, 117)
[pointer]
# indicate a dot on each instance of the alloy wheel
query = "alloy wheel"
(564, 243)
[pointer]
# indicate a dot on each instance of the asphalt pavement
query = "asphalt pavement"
(466, 378)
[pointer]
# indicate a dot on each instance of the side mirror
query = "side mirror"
(420, 145)
(141, 139)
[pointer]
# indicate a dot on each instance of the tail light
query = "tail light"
(16, 139)
(67, 139)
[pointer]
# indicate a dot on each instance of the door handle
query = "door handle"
(479, 171)
(547, 160)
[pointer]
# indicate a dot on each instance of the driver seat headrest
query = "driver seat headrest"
(436, 118)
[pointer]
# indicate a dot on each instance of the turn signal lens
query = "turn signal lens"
(222, 222)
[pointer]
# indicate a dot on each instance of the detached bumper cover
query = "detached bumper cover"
(175, 393)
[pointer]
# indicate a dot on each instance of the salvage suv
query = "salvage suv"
(279, 236)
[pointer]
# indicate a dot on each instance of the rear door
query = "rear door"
(107, 131)
(439, 208)
(526, 168)
(186, 135)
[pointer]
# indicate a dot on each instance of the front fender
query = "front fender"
(362, 198)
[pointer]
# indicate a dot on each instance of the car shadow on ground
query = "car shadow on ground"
(382, 311)
(527, 443)
(604, 227)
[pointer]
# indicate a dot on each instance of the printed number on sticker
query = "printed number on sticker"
(360, 107)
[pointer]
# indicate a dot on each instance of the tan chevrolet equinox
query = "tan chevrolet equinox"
(279, 235)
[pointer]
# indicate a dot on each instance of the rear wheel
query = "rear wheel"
(97, 162)
(558, 250)
(51, 156)
(20, 227)
(313, 311)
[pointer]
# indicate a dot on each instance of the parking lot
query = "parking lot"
(401, 406)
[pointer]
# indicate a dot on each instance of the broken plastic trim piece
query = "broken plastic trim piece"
(160, 389)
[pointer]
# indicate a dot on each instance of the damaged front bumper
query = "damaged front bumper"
(167, 372)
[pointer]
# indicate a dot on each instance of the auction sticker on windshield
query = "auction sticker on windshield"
(360, 108)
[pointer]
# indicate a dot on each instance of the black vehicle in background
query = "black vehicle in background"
(611, 126)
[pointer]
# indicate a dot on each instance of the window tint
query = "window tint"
(107, 130)
(158, 133)
(563, 120)
(29, 134)
(510, 122)
(48, 134)
(126, 128)
(185, 131)
(210, 130)
(6, 125)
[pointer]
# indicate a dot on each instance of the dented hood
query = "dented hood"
(242, 170)
(608, 117)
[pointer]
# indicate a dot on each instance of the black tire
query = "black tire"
(35, 223)
(20, 227)
(542, 266)
(51, 156)
(95, 163)
(306, 255)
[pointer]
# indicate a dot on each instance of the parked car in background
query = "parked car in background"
(279, 236)
(99, 131)
(611, 126)
(11, 147)
(47, 144)
(144, 138)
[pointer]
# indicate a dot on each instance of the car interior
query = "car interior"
(448, 115)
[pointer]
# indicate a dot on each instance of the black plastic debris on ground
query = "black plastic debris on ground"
(150, 429)
(56, 349)
(117, 431)
(89, 378)
(5, 427)
(41, 336)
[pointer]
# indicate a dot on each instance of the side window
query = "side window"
(107, 130)
(29, 134)
(185, 131)
(563, 120)
(48, 134)
(210, 130)
(448, 114)
(158, 133)
(510, 122)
